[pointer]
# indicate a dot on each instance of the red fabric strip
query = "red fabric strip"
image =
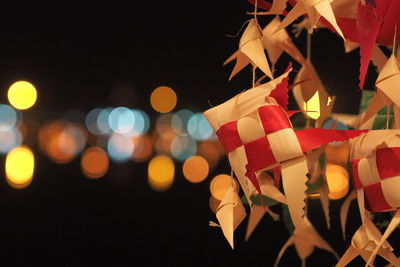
(388, 162)
(259, 154)
(376, 200)
(356, 178)
(290, 113)
(273, 118)
(349, 28)
(368, 28)
(277, 176)
(390, 22)
(229, 136)
(280, 93)
(315, 137)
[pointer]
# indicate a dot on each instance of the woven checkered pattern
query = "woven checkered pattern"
(379, 176)
(270, 126)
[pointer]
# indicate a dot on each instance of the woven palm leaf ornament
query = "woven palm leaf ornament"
(256, 130)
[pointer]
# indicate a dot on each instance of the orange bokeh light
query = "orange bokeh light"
(219, 185)
(59, 140)
(94, 162)
(195, 169)
(163, 99)
(143, 148)
(211, 151)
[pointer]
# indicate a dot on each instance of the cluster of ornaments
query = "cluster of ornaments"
(266, 153)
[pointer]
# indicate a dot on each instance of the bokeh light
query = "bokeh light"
(102, 121)
(142, 123)
(219, 185)
(214, 203)
(312, 107)
(76, 132)
(143, 148)
(120, 147)
(180, 121)
(164, 127)
(62, 141)
(94, 162)
(20, 166)
(162, 145)
(337, 178)
(91, 121)
(10, 139)
(8, 117)
(163, 99)
(195, 169)
(183, 147)
(198, 127)
(121, 120)
(161, 172)
(211, 151)
(22, 95)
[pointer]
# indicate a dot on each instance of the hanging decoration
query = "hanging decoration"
(277, 161)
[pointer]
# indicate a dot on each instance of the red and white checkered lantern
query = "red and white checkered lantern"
(375, 158)
(257, 135)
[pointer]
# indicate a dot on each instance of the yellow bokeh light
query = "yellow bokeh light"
(337, 178)
(22, 95)
(312, 106)
(161, 171)
(195, 169)
(94, 162)
(20, 165)
(219, 185)
(163, 99)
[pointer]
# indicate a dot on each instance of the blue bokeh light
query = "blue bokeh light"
(198, 127)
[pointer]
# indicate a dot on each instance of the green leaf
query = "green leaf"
(366, 98)
(380, 121)
(287, 220)
(315, 186)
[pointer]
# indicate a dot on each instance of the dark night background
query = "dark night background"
(116, 53)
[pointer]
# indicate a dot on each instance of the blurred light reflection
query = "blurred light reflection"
(10, 139)
(183, 147)
(161, 171)
(180, 121)
(163, 99)
(8, 117)
(121, 120)
(20, 165)
(219, 185)
(195, 169)
(198, 127)
(22, 95)
(120, 147)
(94, 162)
(143, 148)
